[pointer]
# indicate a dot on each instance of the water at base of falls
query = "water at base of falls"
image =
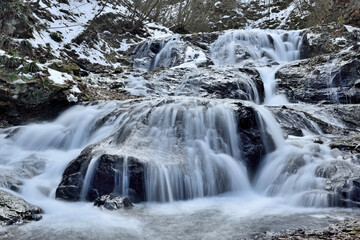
(221, 217)
(196, 177)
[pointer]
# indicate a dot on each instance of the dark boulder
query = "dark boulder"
(108, 171)
(111, 202)
(73, 177)
(254, 141)
(15, 210)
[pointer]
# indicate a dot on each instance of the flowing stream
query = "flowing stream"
(197, 180)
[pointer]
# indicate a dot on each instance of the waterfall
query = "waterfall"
(161, 52)
(190, 146)
(265, 50)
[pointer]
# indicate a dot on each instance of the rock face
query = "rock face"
(111, 202)
(328, 81)
(255, 142)
(326, 39)
(330, 74)
(224, 82)
(342, 182)
(338, 127)
(21, 101)
(108, 169)
(14, 210)
(16, 19)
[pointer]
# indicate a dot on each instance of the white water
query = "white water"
(192, 151)
(265, 50)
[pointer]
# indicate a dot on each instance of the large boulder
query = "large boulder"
(131, 177)
(14, 210)
(107, 171)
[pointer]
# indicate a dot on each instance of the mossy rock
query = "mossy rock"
(69, 68)
(118, 70)
(56, 36)
(31, 67)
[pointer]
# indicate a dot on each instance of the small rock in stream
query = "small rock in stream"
(14, 210)
(111, 202)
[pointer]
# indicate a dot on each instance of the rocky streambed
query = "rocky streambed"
(349, 229)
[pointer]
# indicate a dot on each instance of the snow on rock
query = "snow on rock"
(75, 89)
(156, 30)
(63, 23)
(59, 77)
(72, 98)
(193, 58)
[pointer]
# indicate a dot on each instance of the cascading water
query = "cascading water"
(161, 52)
(265, 50)
(197, 152)
(190, 148)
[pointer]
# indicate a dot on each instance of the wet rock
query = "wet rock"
(14, 210)
(111, 202)
(152, 54)
(73, 177)
(22, 101)
(323, 79)
(325, 39)
(111, 167)
(349, 143)
(343, 182)
(214, 82)
(108, 168)
(254, 142)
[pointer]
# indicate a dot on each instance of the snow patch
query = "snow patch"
(59, 77)
(193, 58)
(351, 28)
(75, 89)
(72, 98)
